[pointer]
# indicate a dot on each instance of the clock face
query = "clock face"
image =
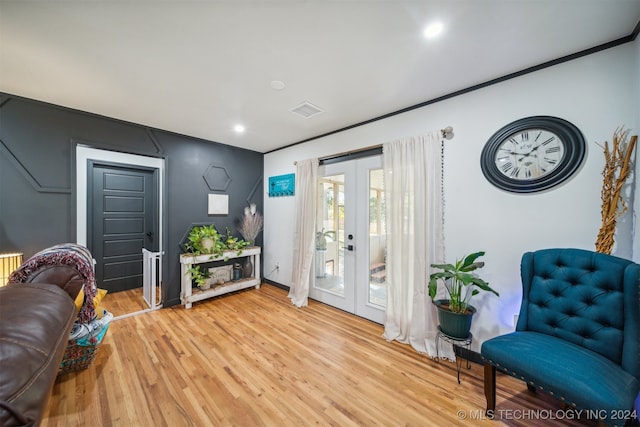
(532, 154)
(529, 154)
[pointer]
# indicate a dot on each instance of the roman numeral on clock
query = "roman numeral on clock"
(506, 167)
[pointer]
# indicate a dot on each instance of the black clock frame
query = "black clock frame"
(574, 152)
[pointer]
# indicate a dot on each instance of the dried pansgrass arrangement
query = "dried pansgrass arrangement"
(617, 168)
(250, 224)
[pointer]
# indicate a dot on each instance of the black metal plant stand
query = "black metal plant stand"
(460, 342)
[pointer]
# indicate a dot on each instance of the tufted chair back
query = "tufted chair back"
(587, 298)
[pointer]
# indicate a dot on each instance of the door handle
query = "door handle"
(349, 247)
(149, 234)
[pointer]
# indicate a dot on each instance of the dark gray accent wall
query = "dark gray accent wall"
(37, 177)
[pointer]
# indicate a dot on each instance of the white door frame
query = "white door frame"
(357, 262)
(83, 154)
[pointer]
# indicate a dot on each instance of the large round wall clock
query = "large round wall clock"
(532, 154)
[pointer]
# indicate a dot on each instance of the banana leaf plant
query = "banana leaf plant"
(460, 281)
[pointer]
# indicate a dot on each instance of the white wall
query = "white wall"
(597, 93)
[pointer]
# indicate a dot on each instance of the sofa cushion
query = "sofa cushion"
(563, 369)
(35, 322)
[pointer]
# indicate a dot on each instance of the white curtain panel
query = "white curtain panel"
(305, 230)
(413, 199)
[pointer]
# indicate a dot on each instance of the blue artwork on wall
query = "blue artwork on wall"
(282, 185)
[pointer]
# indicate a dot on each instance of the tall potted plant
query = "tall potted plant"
(461, 283)
(321, 250)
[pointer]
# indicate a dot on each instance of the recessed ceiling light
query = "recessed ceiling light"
(277, 85)
(239, 128)
(434, 29)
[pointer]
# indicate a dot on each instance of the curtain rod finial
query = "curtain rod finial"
(447, 133)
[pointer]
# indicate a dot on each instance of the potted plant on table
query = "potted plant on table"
(204, 239)
(461, 283)
(200, 277)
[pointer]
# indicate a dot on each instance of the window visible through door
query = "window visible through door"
(350, 258)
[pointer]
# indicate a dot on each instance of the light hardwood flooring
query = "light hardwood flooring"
(250, 358)
(124, 302)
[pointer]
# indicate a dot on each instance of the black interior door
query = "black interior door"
(122, 220)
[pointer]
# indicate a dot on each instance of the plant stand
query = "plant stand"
(190, 295)
(321, 256)
(460, 342)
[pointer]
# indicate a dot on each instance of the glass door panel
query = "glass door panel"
(334, 265)
(329, 261)
(371, 291)
(377, 295)
(349, 270)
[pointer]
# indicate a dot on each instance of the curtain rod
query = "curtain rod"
(446, 133)
(349, 153)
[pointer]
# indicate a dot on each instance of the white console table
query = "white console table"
(190, 295)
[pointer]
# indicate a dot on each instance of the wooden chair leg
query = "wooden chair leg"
(490, 387)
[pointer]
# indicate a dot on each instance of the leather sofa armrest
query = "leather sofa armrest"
(66, 277)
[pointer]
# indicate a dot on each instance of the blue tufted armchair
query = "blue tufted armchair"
(578, 333)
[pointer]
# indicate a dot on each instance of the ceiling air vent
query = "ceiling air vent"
(306, 110)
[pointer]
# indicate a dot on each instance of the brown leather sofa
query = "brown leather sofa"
(35, 321)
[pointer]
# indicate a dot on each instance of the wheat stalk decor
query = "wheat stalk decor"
(250, 224)
(617, 167)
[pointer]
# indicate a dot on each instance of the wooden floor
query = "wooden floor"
(124, 302)
(252, 359)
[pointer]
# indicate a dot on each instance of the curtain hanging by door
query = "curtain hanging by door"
(413, 180)
(304, 232)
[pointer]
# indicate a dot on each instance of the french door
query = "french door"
(349, 266)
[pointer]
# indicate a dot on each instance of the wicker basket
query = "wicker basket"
(80, 353)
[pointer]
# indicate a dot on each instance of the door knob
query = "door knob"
(348, 247)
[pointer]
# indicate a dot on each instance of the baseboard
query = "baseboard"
(276, 284)
(171, 302)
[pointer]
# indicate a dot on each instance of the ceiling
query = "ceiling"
(198, 68)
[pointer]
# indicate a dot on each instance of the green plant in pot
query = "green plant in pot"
(321, 239)
(461, 283)
(199, 276)
(233, 243)
(204, 239)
